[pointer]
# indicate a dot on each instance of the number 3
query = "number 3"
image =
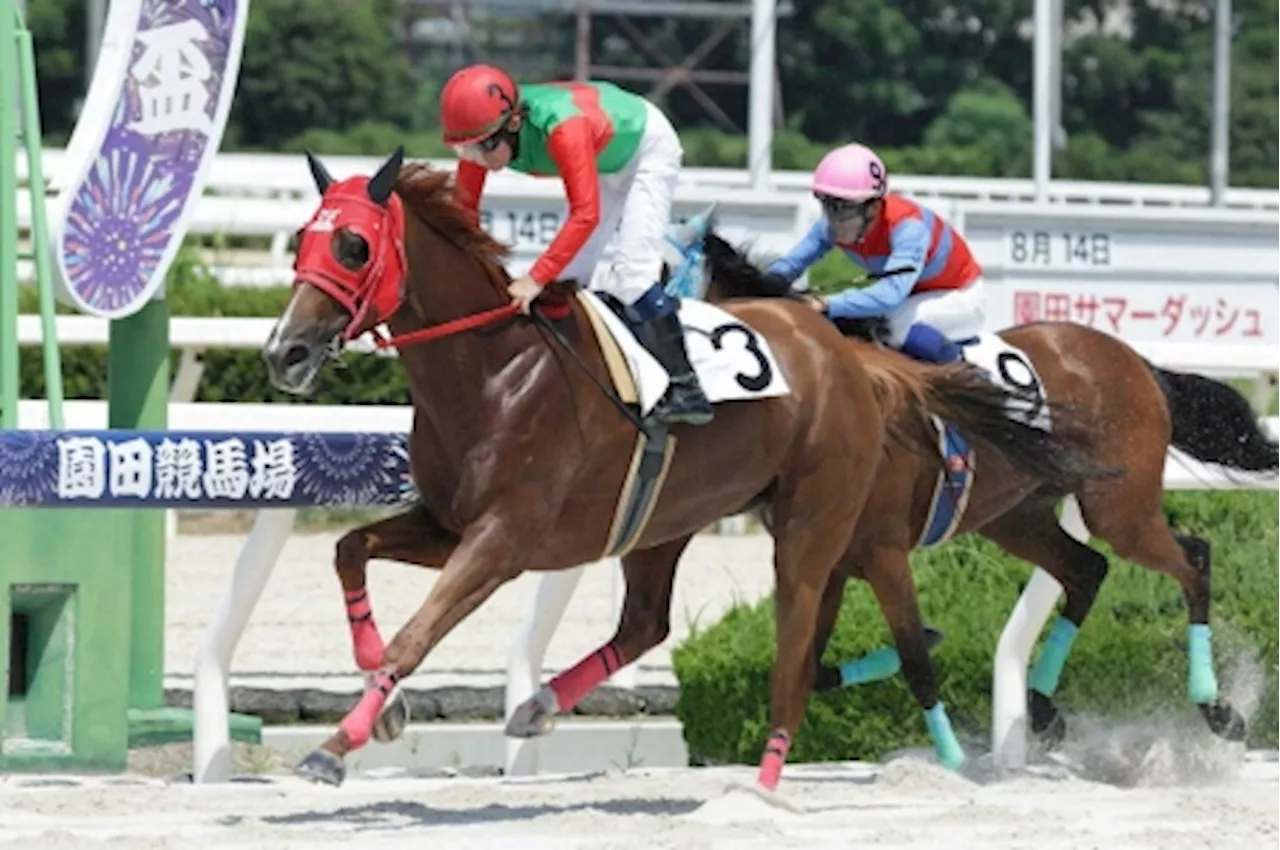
(764, 375)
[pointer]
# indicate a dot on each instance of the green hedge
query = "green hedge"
(1128, 662)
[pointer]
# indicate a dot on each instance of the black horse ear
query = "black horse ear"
(384, 181)
(321, 174)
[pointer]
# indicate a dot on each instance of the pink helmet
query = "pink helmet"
(851, 173)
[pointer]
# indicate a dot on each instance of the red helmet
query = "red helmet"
(475, 103)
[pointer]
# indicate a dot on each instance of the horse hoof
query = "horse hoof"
(392, 720)
(530, 719)
(1047, 723)
(322, 766)
(828, 679)
(1224, 721)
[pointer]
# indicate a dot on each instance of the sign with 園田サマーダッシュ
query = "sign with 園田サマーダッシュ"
(1189, 276)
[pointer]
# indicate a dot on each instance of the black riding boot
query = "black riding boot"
(684, 401)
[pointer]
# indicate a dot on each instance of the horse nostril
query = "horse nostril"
(295, 354)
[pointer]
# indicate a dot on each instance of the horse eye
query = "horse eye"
(350, 249)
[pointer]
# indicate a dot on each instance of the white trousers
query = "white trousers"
(956, 313)
(636, 203)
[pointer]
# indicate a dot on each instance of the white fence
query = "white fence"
(269, 196)
(286, 175)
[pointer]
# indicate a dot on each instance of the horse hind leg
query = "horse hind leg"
(807, 547)
(645, 622)
(1188, 559)
(412, 536)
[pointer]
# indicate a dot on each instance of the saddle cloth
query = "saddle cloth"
(1010, 368)
(732, 361)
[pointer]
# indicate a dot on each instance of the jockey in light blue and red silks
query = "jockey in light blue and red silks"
(928, 286)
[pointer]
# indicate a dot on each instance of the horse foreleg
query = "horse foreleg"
(827, 678)
(1034, 535)
(645, 623)
(875, 666)
(413, 537)
(889, 574)
(484, 560)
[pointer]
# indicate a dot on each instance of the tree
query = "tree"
(318, 64)
(57, 31)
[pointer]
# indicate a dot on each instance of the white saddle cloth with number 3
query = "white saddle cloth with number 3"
(733, 362)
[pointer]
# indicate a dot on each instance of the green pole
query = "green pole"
(33, 137)
(137, 398)
(8, 221)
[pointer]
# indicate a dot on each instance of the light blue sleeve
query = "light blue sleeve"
(816, 243)
(910, 245)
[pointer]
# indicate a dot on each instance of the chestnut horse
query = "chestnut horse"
(1132, 410)
(520, 454)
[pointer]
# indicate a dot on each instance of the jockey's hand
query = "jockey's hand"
(523, 290)
(817, 302)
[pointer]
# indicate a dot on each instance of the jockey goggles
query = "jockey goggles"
(842, 209)
(475, 151)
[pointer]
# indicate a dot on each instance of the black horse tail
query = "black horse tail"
(1215, 424)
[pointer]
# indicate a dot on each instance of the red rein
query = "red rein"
(456, 326)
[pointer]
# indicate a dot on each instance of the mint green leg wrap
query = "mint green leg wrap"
(881, 664)
(1202, 683)
(950, 754)
(1048, 669)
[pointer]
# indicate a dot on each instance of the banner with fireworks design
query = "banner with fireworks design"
(180, 469)
(136, 163)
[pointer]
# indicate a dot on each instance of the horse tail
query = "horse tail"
(1215, 424)
(911, 392)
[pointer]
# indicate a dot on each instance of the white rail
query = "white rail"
(285, 175)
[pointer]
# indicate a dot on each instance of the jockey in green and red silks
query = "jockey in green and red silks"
(619, 159)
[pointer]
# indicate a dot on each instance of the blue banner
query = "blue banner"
(197, 469)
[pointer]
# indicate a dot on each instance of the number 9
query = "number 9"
(877, 176)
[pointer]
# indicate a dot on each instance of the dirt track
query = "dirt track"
(907, 803)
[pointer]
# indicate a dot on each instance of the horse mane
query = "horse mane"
(428, 194)
(734, 275)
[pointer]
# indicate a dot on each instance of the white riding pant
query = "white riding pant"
(956, 313)
(635, 202)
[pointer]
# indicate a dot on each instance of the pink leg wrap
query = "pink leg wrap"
(358, 724)
(579, 680)
(364, 632)
(775, 756)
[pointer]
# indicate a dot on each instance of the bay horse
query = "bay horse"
(520, 451)
(1133, 411)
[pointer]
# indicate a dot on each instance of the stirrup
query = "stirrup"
(694, 408)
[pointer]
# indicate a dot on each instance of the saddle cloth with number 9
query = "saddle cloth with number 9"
(733, 362)
(1011, 368)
